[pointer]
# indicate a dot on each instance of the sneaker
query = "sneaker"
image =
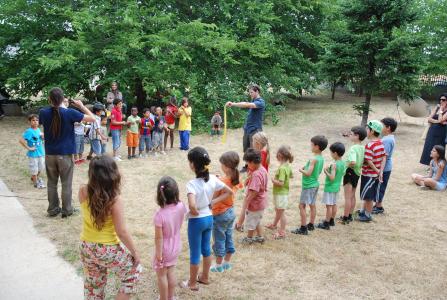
(54, 213)
(217, 269)
(259, 239)
(129, 156)
(36, 184)
(140, 155)
(134, 156)
(332, 222)
(116, 158)
(40, 183)
(301, 230)
(246, 241)
(227, 266)
(378, 210)
(324, 225)
(74, 211)
(310, 227)
(343, 220)
(364, 218)
(350, 219)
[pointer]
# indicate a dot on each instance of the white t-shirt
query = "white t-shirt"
(79, 128)
(204, 192)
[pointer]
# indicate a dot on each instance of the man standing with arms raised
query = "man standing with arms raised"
(255, 116)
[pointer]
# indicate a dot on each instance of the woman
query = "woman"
(170, 116)
(58, 124)
(437, 132)
(115, 94)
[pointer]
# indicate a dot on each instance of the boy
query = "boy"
(104, 133)
(311, 172)
(145, 133)
(116, 125)
(255, 199)
(157, 133)
(95, 133)
(389, 126)
(216, 121)
(354, 162)
(133, 122)
(334, 175)
(32, 141)
(79, 129)
(372, 170)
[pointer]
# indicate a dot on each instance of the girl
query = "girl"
(223, 214)
(200, 196)
(167, 221)
(170, 116)
(104, 230)
(437, 178)
(261, 143)
(281, 190)
(184, 126)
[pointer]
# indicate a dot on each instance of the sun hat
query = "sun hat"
(376, 126)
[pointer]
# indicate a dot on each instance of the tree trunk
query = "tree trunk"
(360, 91)
(334, 84)
(140, 93)
(366, 109)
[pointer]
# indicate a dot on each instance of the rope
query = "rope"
(224, 137)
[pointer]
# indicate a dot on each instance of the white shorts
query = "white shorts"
(36, 164)
(281, 201)
(253, 219)
(329, 198)
(309, 196)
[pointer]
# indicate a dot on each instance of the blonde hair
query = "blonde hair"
(286, 153)
(261, 138)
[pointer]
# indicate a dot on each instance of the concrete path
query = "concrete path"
(29, 265)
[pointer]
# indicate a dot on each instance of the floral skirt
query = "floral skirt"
(98, 259)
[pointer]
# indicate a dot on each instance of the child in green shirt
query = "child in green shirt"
(354, 162)
(310, 184)
(281, 190)
(334, 175)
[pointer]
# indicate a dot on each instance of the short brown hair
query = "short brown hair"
(33, 116)
(255, 88)
(285, 153)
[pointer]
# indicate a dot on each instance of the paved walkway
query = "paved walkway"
(29, 265)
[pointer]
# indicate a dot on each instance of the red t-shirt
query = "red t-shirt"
(145, 123)
(264, 159)
(375, 152)
(171, 111)
(257, 181)
(117, 116)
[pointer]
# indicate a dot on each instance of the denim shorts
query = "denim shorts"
(79, 142)
(223, 233)
(96, 147)
(116, 138)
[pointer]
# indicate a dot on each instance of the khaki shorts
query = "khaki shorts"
(36, 164)
(253, 219)
(281, 201)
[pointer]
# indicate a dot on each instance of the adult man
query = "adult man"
(255, 116)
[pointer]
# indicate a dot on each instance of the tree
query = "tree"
(386, 52)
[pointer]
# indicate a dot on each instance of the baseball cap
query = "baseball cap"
(376, 126)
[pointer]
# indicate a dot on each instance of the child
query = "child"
(168, 244)
(104, 230)
(184, 126)
(354, 162)
(32, 141)
(223, 214)
(104, 134)
(255, 199)
(133, 122)
(200, 197)
(261, 143)
(389, 126)
(437, 177)
(281, 190)
(372, 170)
(216, 121)
(310, 185)
(95, 134)
(334, 175)
(145, 133)
(79, 129)
(116, 125)
(159, 128)
(170, 116)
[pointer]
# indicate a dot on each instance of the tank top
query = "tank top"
(435, 167)
(106, 235)
(333, 186)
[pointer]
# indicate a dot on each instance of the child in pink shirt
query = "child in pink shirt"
(167, 221)
(256, 198)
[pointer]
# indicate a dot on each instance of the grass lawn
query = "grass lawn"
(401, 254)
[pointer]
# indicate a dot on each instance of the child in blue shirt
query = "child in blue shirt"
(389, 126)
(32, 140)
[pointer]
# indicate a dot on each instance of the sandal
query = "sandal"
(185, 285)
(199, 280)
(271, 226)
(279, 235)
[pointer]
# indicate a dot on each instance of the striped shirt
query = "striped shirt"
(375, 152)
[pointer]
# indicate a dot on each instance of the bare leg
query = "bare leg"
(368, 206)
(277, 217)
(250, 233)
(129, 151)
(418, 179)
(193, 272)
(259, 230)
(348, 199)
(204, 277)
(334, 211)
(172, 281)
(328, 212)
(282, 220)
(353, 201)
(228, 257)
(303, 214)
(431, 183)
(162, 281)
(219, 260)
(34, 179)
(313, 213)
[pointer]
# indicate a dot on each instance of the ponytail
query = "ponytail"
(230, 159)
(56, 97)
(200, 159)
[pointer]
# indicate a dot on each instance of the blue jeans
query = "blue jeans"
(184, 139)
(103, 148)
(116, 138)
(79, 141)
(96, 147)
(145, 140)
(383, 185)
(199, 238)
(223, 233)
